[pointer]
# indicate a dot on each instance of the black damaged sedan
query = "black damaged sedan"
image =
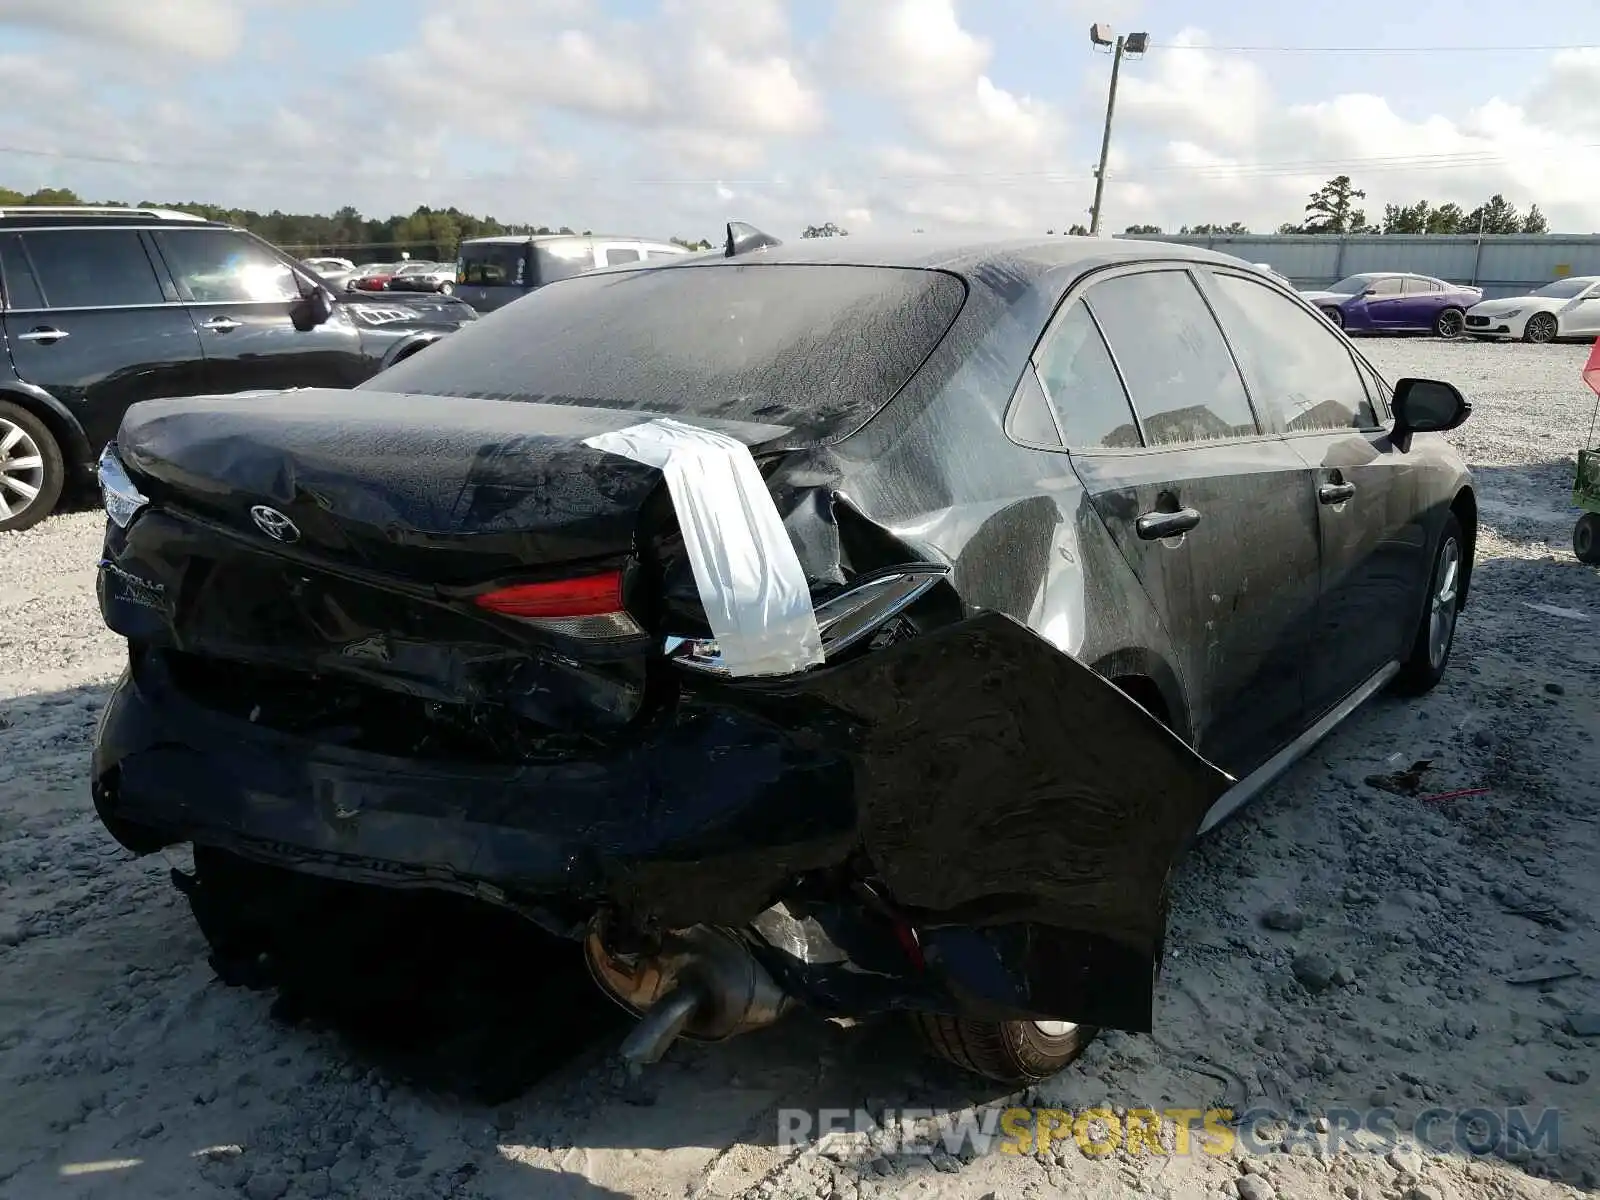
(867, 629)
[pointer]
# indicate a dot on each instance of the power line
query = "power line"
(1442, 161)
(1157, 47)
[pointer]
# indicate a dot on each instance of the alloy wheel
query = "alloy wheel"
(21, 469)
(1442, 617)
(1450, 323)
(1541, 328)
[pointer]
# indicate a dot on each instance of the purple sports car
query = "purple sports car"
(1375, 302)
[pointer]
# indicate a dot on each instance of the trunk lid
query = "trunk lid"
(403, 510)
(432, 490)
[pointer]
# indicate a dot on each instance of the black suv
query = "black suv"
(103, 307)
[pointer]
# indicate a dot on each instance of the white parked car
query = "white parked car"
(1566, 308)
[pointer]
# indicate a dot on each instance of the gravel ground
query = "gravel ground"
(1339, 946)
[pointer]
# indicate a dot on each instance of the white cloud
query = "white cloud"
(903, 114)
(700, 65)
(1246, 153)
(210, 30)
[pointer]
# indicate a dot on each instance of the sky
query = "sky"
(671, 117)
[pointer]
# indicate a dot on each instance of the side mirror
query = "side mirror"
(1426, 406)
(312, 310)
(1370, 292)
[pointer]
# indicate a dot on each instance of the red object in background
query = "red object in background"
(1591, 370)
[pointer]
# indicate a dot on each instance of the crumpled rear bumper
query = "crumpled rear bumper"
(1019, 813)
(701, 824)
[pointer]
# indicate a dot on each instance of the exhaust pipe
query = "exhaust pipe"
(701, 983)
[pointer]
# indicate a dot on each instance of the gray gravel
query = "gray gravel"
(125, 1069)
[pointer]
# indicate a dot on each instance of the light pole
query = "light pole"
(1135, 44)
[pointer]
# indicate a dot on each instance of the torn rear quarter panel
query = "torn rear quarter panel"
(1024, 813)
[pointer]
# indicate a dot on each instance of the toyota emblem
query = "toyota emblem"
(274, 524)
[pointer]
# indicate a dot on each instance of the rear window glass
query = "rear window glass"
(493, 264)
(820, 348)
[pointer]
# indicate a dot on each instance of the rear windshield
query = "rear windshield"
(817, 347)
(493, 264)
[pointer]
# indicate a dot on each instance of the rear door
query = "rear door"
(241, 296)
(1215, 517)
(91, 320)
(1374, 550)
(1420, 302)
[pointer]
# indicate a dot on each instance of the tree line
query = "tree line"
(1332, 210)
(430, 234)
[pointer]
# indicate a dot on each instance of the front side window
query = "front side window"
(1564, 289)
(92, 268)
(218, 266)
(617, 255)
(1077, 372)
(1179, 372)
(1389, 286)
(1300, 373)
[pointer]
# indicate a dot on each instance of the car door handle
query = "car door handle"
(1335, 493)
(221, 324)
(1154, 526)
(43, 334)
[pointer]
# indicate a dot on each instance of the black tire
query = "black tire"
(1541, 328)
(1450, 324)
(1335, 317)
(447, 288)
(31, 460)
(1586, 539)
(1422, 671)
(1015, 1053)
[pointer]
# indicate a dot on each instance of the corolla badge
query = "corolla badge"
(274, 524)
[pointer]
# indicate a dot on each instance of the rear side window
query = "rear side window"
(1178, 369)
(1413, 286)
(562, 260)
(92, 268)
(617, 255)
(18, 287)
(218, 266)
(1298, 369)
(493, 264)
(819, 348)
(1077, 371)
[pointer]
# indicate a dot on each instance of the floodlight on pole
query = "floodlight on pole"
(1101, 34)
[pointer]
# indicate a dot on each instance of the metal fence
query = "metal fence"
(1501, 264)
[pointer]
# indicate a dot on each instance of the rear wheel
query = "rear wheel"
(1430, 650)
(1335, 317)
(447, 287)
(1010, 1052)
(1586, 539)
(1450, 323)
(1541, 328)
(32, 470)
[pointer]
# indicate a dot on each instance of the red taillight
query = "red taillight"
(592, 596)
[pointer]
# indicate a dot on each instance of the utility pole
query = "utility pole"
(1134, 43)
